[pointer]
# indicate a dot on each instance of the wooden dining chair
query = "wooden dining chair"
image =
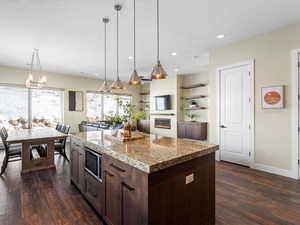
(60, 145)
(12, 152)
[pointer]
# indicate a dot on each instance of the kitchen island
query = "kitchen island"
(151, 181)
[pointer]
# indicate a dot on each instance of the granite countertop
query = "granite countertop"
(149, 154)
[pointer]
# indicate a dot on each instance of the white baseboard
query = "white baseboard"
(274, 170)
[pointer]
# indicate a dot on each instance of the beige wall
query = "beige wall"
(18, 76)
(272, 55)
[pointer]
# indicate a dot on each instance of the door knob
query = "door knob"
(222, 126)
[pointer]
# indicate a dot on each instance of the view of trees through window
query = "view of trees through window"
(101, 105)
(46, 107)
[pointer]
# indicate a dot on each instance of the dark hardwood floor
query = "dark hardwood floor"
(244, 197)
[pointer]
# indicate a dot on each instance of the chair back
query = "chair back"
(67, 129)
(59, 127)
(3, 134)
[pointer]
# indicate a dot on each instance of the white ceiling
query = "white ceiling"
(69, 33)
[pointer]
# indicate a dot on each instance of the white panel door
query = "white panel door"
(235, 114)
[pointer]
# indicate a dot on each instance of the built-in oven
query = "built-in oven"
(93, 163)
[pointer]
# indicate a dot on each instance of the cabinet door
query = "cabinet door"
(132, 206)
(112, 198)
(95, 193)
(196, 132)
(81, 173)
(74, 166)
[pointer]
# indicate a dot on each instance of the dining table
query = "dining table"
(32, 139)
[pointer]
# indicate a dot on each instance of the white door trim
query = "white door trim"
(295, 115)
(251, 63)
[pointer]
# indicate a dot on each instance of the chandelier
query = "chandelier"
(35, 63)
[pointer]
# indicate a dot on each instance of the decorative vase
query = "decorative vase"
(127, 130)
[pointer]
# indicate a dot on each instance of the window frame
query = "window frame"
(29, 96)
(102, 101)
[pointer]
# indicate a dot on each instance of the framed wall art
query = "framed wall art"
(272, 97)
(75, 101)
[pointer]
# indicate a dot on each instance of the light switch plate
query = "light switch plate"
(189, 179)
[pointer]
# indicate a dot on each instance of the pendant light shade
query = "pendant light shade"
(105, 86)
(117, 84)
(158, 71)
(135, 78)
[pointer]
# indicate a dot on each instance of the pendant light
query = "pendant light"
(105, 87)
(35, 62)
(117, 84)
(135, 78)
(158, 71)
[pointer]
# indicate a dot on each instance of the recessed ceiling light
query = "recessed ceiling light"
(220, 36)
(130, 57)
(173, 53)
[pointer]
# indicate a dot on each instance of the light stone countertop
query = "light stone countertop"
(149, 154)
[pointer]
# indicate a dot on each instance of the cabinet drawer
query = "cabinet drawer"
(95, 193)
(127, 173)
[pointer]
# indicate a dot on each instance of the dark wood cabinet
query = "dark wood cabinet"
(192, 130)
(95, 193)
(143, 126)
(74, 166)
(181, 194)
(112, 198)
(77, 166)
(125, 201)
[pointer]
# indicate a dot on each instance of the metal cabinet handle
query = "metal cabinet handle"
(109, 174)
(127, 186)
(222, 126)
(117, 168)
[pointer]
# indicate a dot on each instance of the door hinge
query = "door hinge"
(298, 129)
(249, 100)
(298, 97)
(298, 161)
(249, 73)
(249, 126)
(249, 154)
(298, 64)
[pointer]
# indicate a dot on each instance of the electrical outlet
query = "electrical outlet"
(189, 179)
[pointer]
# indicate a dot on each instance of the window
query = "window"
(124, 100)
(13, 107)
(110, 103)
(47, 107)
(20, 107)
(94, 106)
(101, 105)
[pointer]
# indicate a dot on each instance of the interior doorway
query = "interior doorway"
(236, 113)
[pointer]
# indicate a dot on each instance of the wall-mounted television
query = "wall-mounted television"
(163, 102)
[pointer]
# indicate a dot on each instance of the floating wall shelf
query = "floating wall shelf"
(194, 97)
(194, 86)
(145, 93)
(196, 108)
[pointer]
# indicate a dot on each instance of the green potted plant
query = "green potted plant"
(192, 116)
(130, 115)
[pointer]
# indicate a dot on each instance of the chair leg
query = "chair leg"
(64, 154)
(4, 164)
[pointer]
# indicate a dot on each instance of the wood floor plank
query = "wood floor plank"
(243, 197)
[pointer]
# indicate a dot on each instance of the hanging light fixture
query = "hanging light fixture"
(105, 87)
(135, 78)
(35, 61)
(158, 71)
(117, 84)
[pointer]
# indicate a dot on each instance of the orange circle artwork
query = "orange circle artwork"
(272, 97)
